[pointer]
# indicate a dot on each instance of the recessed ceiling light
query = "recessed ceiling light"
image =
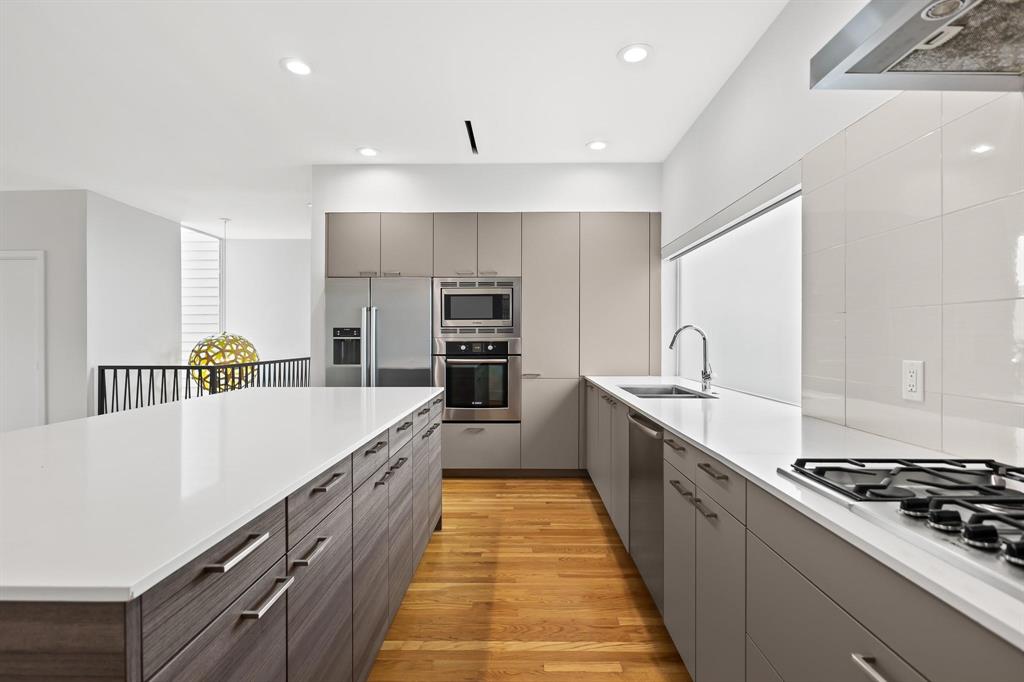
(296, 66)
(632, 54)
(982, 148)
(597, 145)
(367, 151)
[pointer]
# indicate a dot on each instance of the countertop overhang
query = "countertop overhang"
(756, 436)
(103, 508)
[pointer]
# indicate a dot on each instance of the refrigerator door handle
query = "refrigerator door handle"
(364, 341)
(373, 346)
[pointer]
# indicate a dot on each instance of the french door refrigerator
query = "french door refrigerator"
(380, 333)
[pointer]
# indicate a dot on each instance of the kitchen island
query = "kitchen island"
(235, 536)
(766, 577)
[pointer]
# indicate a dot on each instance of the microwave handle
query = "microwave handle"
(481, 361)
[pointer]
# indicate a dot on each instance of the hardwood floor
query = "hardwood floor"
(528, 580)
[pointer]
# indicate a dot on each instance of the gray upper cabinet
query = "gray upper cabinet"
(353, 244)
(500, 244)
(614, 293)
(455, 244)
(551, 295)
(406, 244)
(550, 429)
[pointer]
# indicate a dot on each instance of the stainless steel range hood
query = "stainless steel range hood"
(926, 45)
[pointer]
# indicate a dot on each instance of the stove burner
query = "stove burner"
(946, 520)
(981, 535)
(1013, 552)
(916, 507)
(893, 492)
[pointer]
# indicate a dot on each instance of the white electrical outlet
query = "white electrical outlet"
(913, 380)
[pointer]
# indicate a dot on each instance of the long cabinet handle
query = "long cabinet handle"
(383, 479)
(679, 487)
(531, 375)
(318, 549)
(674, 445)
(336, 478)
(710, 471)
(867, 666)
(255, 540)
(437, 400)
(474, 429)
(428, 432)
(398, 464)
(488, 272)
(392, 273)
(703, 509)
(404, 426)
(376, 448)
(367, 273)
(262, 609)
(465, 272)
(425, 410)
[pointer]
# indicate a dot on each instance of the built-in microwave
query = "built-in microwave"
(487, 306)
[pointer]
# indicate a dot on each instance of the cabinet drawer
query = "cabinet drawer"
(247, 642)
(681, 455)
(308, 505)
(481, 446)
(804, 635)
(369, 458)
(420, 417)
(436, 406)
(400, 433)
(180, 606)
(320, 601)
(724, 485)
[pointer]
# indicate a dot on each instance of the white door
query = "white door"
(22, 340)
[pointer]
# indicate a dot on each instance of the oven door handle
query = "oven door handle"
(482, 361)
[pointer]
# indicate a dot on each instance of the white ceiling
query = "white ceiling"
(182, 108)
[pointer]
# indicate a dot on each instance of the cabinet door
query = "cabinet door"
(721, 593)
(551, 424)
(369, 571)
(593, 400)
(435, 457)
(500, 247)
(455, 244)
(406, 244)
(551, 295)
(320, 601)
(680, 564)
(399, 528)
(421, 516)
(614, 293)
(620, 470)
(353, 244)
(602, 472)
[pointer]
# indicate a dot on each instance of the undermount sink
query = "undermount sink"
(665, 391)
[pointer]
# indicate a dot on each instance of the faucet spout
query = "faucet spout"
(705, 373)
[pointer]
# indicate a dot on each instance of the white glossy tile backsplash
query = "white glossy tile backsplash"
(914, 250)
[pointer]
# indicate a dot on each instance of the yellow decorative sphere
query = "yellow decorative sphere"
(220, 350)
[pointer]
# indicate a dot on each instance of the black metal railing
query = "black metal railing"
(127, 387)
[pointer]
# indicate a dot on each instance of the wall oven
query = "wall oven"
(488, 306)
(482, 380)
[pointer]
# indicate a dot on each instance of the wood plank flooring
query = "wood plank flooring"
(528, 580)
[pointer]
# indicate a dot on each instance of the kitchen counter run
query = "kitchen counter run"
(103, 508)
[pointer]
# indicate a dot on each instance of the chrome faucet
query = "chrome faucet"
(705, 372)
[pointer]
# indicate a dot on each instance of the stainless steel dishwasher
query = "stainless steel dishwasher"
(646, 514)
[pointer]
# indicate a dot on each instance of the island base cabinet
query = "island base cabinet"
(246, 643)
(680, 591)
(422, 500)
(434, 458)
(320, 601)
(721, 568)
(399, 528)
(804, 635)
(369, 571)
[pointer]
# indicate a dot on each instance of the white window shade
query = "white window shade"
(201, 293)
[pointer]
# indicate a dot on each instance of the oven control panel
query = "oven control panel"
(460, 348)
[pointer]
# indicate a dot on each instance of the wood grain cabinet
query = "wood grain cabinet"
(455, 244)
(353, 245)
(320, 601)
(551, 423)
(680, 527)
(400, 502)
(369, 570)
(406, 244)
(422, 517)
(551, 295)
(499, 244)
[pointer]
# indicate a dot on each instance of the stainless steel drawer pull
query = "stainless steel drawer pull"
(425, 410)
(262, 609)
(429, 432)
(367, 273)
(465, 272)
(404, 426)
(474, 429)
(679, 487)
(704, 511)
(710, 471)
(867, 666)
(531, 375)
(488, 272)
(398, 465)
(392, 273)
(383, 479)
(376, 447)
(336, 478)
(437, 401)
(318, 549)
(255, 540)
(674, 445)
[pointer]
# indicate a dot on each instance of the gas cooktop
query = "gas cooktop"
(973, 508)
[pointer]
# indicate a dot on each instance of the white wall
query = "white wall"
(133, 287)
(470, 187)
(764, 119)
(267, 295)
(54, 222)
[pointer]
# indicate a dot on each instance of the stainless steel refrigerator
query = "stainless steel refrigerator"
(379, 331)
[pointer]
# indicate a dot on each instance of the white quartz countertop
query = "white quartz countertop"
(755, 436)
(101, 509)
